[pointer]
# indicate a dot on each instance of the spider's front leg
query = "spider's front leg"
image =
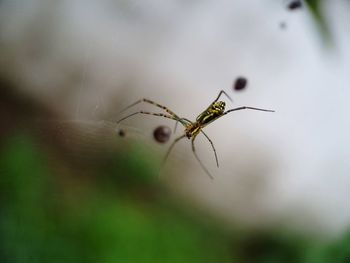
(246, 108)
(220, 93)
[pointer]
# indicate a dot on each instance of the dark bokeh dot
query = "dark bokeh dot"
(295, 5)
(283, 25)
(121, 133)
(240, 83)
(162, 134)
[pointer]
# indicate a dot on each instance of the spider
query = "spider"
(215, 111)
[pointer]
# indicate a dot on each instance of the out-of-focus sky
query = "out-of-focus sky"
(88, 59)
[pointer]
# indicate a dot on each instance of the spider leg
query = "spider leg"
(153, 103)
(183, 122)
(220, 93)
(149, 113)
(236, 109)
(245, 108)
(171, 147)
(212, 145)
(200, 162)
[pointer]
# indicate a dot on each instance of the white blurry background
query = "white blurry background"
(88, 59)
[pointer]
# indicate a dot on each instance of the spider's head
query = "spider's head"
(218, 107)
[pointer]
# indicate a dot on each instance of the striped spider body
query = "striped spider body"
(215, 111)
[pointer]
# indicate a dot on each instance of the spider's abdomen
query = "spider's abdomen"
(214, 111)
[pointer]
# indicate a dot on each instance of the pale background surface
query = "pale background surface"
(89, 59)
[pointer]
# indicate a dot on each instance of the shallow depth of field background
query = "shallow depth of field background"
(73, 190)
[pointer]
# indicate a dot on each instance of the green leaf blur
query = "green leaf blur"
(40, 224)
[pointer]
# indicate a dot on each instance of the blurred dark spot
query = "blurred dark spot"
(18, 111)
(162, 134)
(121, 133)
(268, 248)
(283, 25)
(295, 5)
(240, 83)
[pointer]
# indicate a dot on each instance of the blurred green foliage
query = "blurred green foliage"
(48, 217)
(39, 222)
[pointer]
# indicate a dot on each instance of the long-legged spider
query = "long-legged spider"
(215, 110)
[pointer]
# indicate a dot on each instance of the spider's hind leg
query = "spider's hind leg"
(213, 147)
(148, 113)
(200, 162)
(152, 103)
(172, 146)
(185, 122)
